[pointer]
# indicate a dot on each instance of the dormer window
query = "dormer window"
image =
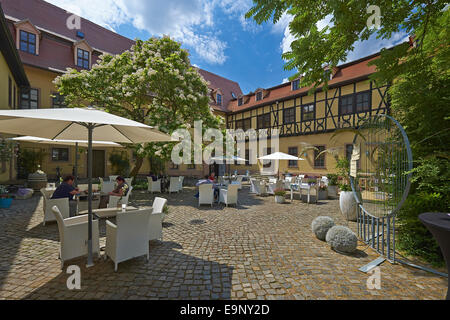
(27, 42)
(219, 99)
(259, 96)
(82, 54)
(27, 37)
(83, 58)
(296, 84)
(240, 101)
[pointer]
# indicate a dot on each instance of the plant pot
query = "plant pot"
(37, 181)
(5, 203)
(279, 199)
(332, 192)
(323, 194)
(347, 203)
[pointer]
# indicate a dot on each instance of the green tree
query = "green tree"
(419, 76)
(152, 83)
(314, 48)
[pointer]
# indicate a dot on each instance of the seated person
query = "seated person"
(121, 189)
(207, 180)
(203, 181)
(212, 176)
(67, 190)
(154, 177)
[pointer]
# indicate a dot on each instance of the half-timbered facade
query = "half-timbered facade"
(310, 119)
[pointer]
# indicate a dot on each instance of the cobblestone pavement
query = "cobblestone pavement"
(259, 250)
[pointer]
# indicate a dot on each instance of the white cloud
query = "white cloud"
(188, 21)
(373, 45)
(282, 24)
(107, 13)
(285, 80)
(238, 9)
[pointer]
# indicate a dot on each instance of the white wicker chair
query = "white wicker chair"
(154, 186)
(230, 195)
(128, 238)
(174, 184)
(129, 181)
(108, 186)
(73, 236)
(238, 181)
(180, 186)
(112, 178)
(115, 200)
(156, 219)
(158, 205)
(205, 194)
(253, 185)
(62, 204)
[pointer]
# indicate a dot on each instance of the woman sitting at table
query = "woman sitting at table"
(120, 191)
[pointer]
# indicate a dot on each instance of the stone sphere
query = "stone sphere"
(321, 225)
(342, 239)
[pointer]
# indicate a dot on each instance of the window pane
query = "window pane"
(86, 54)
(33, 104)
(31, 38)
(23, 46)
(293, 151)
(86, 64)
(80, 53)
(319, 161)
(31, 48)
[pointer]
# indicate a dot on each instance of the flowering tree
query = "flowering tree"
(152, 83)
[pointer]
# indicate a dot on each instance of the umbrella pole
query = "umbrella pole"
(76, 164)
(90, 130)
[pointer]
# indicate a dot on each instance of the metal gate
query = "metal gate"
(380, 179)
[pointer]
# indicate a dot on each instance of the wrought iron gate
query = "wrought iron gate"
(380, 179)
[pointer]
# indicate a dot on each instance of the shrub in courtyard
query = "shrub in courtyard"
(342, 239)
(321, 225)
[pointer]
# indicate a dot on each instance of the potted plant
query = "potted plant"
(322, 192)
(332, 185)
(5, 197)
(347, 202)
(279, 195)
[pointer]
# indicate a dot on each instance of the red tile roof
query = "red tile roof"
(56, 51)
(227, 87)
(50, 17)
(347, 72)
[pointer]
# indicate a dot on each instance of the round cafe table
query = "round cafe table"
(438, 224)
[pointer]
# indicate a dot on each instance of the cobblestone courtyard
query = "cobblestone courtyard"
(259, 250)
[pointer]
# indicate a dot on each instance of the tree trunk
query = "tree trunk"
(137, 166)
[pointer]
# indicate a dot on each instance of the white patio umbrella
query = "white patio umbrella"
(79, 124)
(76, 143)
(279, 156)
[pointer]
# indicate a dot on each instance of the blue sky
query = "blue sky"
(215, 32)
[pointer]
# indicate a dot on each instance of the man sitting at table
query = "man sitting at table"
(67, 190)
